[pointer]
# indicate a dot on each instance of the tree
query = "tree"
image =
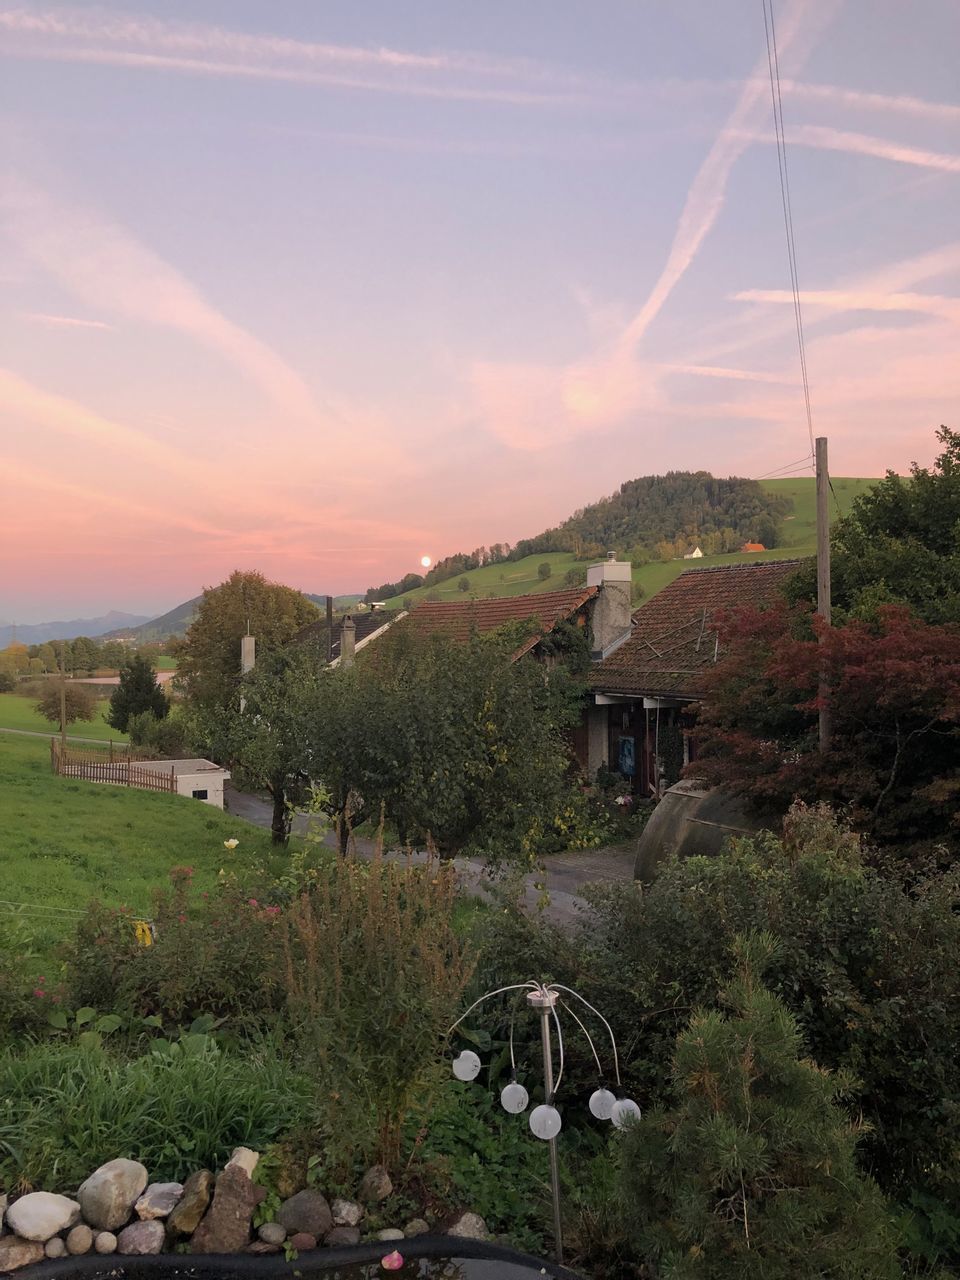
(48, 656)
(80, 703)
(544, 570)
(16, 657)
(113, 654)
(208, 667)
(85, 654)
(463, 584)
(894, 690)
(900, 544)
(8, 681)
(752, 1172)
(137, 692)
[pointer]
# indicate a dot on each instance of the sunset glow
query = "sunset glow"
(301, 288)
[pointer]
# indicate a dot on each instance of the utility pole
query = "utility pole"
(63, 696)
(823, 577)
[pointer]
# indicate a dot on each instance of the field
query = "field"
(165, 663)
(520, 577)
(17, 712)
(63, 841)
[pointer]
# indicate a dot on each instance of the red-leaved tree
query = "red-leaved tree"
(893, 686)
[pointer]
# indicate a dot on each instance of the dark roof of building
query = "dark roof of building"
(459, 619)
(673, 644)
(366, 622)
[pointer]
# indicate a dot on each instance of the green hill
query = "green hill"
(519, 577)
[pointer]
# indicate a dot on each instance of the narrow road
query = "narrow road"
(566, 873)
(38, 733)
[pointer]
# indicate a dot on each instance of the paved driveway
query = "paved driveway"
(566, 873)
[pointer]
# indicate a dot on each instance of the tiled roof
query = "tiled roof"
(458, 619)
(366, 622)
(673, 643)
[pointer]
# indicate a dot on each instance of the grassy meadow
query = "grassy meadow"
(520, 577)
(64, 841)
(18, 712)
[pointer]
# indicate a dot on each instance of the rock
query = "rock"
(105, 1242)
(159, 1200)
(346, 1213)
(375, 1185)
(109, 1194)
(4, 1201)
(308, 1212)
(416, 1227)
(141, 1238)
(262, 1246)
(244, 1158)
(342, 1235)
(41, 1214)
(389, 1233)
(303, 1241)
(193, 1204)
(272, 1233)
(469, 1226)
(80, 1239)
(15, 1253)
(259, 1193)
(55, 1248)
(226, 1225)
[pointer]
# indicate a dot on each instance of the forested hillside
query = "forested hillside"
(651, 518)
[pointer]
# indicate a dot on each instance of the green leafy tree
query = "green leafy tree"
(137, 692)
(80, 703)
(48, 656)
(8, 681)
(544, 570)
(751, 1173)
(208, 660)
(85, 654)
(463, 584)
(899, 544)
(113, 653)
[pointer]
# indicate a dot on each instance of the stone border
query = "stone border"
(226, 1266)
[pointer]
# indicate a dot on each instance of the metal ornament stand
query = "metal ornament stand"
(545, 1120)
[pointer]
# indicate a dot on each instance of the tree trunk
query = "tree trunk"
(280, 825)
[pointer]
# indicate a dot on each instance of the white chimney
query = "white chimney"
(348, 641)
(610, 619)
(248, 653)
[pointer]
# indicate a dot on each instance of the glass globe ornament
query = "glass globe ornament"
(514, 1098)
(466, 1066)
(625, 1112)
(601, 1103)
(545, 1122)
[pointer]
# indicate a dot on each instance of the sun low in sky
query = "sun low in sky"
(304, 287)
(425, 562)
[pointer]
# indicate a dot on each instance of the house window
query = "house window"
(199, 795)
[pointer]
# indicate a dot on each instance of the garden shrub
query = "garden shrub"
(215, 953)
(867, 967)
(750, 1172)
(65, 1109)
(22, 987)
(373, 974)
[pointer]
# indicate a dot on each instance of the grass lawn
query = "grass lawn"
(17, 712)
(165, 663)
(63, 841)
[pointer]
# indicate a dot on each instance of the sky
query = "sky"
(321, 288)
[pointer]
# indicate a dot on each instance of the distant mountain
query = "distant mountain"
(176, 621)
(41, 632)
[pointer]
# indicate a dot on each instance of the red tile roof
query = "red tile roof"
(365, 621)
(458, 619)
(673, 644)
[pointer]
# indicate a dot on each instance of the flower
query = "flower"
(230, 844)
(392, 1261)
(624, 800)
(39, 992)
(252, 902)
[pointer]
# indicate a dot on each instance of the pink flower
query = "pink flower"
(271, 911)
(252, 902)
(392, 1261)
(39, 991)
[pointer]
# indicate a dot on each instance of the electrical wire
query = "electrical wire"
(773, 64)
(801, 464)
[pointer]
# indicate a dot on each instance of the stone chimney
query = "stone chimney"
(610, 621)
(348, 641)
(248, 653)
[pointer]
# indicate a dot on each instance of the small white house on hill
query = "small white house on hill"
(695, 554)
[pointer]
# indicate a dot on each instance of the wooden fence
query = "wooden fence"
(118, 767)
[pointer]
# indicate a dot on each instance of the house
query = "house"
(753, 546)
(645, 689)
(695, 554)
(201, 779)
(602, 605)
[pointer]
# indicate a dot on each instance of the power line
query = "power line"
(801, 464)
(773, 64)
